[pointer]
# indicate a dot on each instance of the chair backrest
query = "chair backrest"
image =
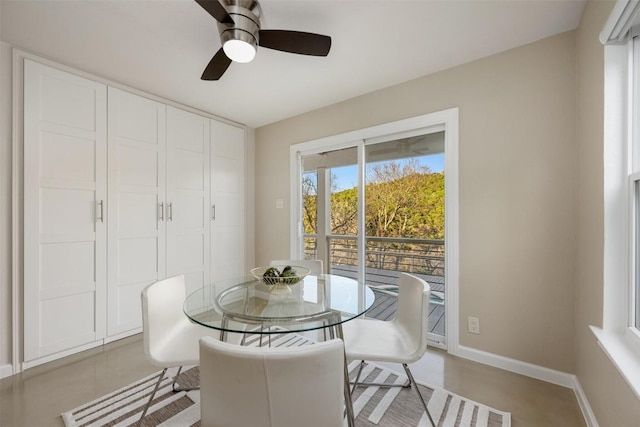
(413, 308)
(271, 387)
(314, 265)
(161, 311)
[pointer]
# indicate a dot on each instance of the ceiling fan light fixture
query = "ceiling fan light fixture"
(239, 51)
(238, 24)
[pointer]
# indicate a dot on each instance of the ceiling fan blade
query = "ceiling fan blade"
(295, 42)
(216, 10)
(217, 66)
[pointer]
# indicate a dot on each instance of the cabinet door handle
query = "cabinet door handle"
(161, 211)
(170, 208)
(213, 212)
(100, 217)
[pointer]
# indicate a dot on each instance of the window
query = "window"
(620, 333)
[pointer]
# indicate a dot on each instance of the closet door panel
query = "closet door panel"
(191, 212)
(66, 264)
(64, 202)
(67, 211)
(139, 213)
(137, 259)
(137, 190)
(227, 199)
(138, 165)
(188, 165)
(69, 321)
(58, 152)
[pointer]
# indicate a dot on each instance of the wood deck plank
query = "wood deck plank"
(379, 277)
(385, 307)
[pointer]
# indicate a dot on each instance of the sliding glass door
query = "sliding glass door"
(404, 217)
(373, 208)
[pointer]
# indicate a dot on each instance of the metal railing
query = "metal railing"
(422, 256)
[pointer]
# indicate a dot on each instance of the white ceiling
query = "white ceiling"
(162, 47)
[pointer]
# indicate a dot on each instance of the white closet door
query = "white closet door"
(136, 190)
(187, 210)
(227, 199)
(64, 208)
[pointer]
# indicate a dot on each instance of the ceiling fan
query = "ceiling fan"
(239, 27)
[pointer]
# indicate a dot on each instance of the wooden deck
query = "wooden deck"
(386, 303)
(385, 307)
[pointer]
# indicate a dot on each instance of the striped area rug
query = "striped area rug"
(373, 406)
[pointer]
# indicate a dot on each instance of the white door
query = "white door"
(187, 205)
(136, 194)
(227, 201)
(65, 193)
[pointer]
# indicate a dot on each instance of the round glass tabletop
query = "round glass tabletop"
(248, 305)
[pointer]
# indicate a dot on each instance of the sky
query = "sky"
(347, 176)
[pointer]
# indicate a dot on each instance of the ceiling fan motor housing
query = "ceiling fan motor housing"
(246, 17)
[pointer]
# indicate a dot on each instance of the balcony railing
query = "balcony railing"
(385, 257)
(420, 256)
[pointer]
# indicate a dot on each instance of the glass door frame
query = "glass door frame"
(446, 121)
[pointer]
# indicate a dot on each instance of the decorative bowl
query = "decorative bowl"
(300, 273)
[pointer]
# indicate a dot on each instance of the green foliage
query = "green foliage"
(344, 212)
(402, 200)
(309, 204)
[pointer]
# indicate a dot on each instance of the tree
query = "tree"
(344, 212)
(403, 199)
(310, 203)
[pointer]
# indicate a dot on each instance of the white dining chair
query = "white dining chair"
(314, 265)
(271, 387)
(401, 340)
(169, 338)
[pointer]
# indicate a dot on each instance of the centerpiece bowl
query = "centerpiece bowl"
(280, 277)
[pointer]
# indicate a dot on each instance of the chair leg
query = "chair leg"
(155, 389)
(178, 388)
(356, 383)
(261, 335)
(415, 385)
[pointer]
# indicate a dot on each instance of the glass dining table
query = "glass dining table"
(248, 306)
(316, 302)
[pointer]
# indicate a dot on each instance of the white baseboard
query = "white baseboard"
(518, 366)
(6, 371)
(534, 371)
(60, 355)
(585, 407)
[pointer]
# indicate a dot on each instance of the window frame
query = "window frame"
(634, 250)
(618, 336)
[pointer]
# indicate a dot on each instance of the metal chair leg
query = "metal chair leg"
(155, 389)
(356, 383)
(336, 331)
(177, 389)
(415, 385)
(262, 335)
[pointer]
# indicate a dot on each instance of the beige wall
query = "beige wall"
(612, 401)
(517, 189)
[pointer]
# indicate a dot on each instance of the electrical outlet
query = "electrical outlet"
(474, 325)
